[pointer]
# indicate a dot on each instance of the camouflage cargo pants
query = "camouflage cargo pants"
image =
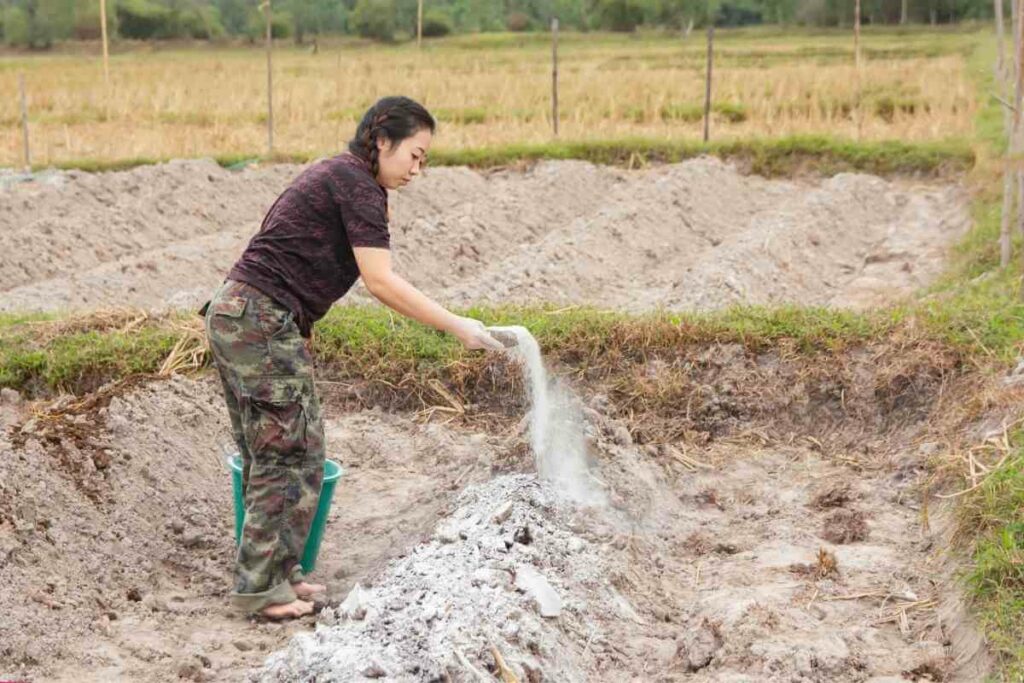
(267, 373)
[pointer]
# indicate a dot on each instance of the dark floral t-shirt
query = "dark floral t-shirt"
(302, 255)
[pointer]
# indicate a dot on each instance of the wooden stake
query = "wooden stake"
(856, 63)
(707, 79)
(1014, 134)
(1004, 224)
(997, 10)
(1008, 188)
(554, 74)
(1013, 19)
(270, 79)
(24, 123)
(419, 23)
(106, 49)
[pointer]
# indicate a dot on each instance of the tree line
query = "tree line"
(41, 23)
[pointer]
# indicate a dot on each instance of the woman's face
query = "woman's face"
(400, 163)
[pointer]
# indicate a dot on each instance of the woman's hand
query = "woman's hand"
(474, 335)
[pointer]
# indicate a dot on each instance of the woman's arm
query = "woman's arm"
(395, 293)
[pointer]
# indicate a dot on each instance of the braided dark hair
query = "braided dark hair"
(394, 118)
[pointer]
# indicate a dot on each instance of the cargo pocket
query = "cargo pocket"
(225, 328)
(276, 414)
(231, 307)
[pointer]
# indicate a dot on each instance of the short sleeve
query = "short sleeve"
(364, 213)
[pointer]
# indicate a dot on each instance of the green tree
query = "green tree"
(256, 26)
(86, 24)
(16, 26)
(436, 23)
(570, 13)
(234, 15)
(374, 19)
(619, 15)
(37, 23)
(478, 15)
(141, 19)
(313, 17)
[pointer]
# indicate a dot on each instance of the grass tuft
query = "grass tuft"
(996, 580)
(767, 157)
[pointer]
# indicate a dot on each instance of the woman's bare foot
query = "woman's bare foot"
(288, 610)
(306, 590)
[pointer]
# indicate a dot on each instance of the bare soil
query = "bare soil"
(716, 559)
(118, 568)
(696, 235)
(767, 519)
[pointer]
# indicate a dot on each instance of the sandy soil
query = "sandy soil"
(742, 560)
(692, 235)
(770, 563)
(116, 550)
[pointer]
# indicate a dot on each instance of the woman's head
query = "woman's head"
(394, 136)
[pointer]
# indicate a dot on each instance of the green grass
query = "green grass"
(80, 361)
(771, 157)
(802, 41)
(371, 341)
(978, 299)
(976, 303)
(774, 157)
(996, 581)
(363, 340)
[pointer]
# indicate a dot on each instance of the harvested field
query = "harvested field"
(491, 90)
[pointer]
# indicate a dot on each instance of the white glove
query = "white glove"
(474, 335)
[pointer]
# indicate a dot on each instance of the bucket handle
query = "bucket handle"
(228, 450)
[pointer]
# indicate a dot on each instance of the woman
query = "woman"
(329, 228)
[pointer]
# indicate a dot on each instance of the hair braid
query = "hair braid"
(372, 133)
(392, 118)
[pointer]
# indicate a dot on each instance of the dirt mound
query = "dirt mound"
(632, 599)
(693, 235)
(116, 548)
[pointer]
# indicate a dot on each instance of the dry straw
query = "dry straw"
(172, 104)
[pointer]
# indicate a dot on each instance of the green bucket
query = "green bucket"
(332, 472)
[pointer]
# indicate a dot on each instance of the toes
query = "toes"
(293, 610)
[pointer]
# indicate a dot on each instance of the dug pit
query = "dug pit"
(709, 561)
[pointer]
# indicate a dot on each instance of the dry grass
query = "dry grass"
(122, 320)
(211, 101)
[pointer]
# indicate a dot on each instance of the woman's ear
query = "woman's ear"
(382, 143)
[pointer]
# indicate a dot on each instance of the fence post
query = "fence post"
(1018, 101)
(554, 74)
(419, 24)
(270, 79)
(707, 79)
(1001, 87)
(106, 50)
(24, 123)
(856, 66)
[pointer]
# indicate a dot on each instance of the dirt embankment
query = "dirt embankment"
(693, 235)
(766, 522)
